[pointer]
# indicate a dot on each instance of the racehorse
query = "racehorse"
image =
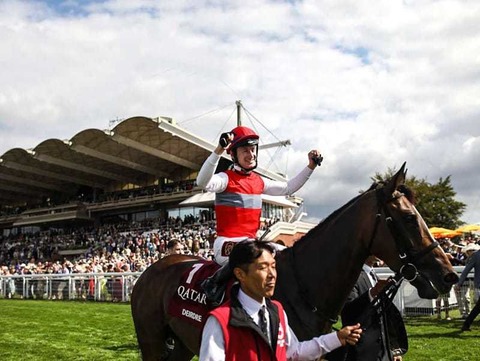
(315, 275)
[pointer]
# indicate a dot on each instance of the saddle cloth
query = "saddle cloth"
(189, 302)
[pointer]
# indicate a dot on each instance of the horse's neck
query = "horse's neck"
(329, 258)
(339, 247)
(337, 260)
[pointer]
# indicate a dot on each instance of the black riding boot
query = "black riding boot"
(215, 285)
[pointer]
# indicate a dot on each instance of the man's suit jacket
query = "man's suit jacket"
(382, 333)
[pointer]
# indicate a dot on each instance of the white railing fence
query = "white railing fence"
(410, 304)
(114, 287)
(117, 287)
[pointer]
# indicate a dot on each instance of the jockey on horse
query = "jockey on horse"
(238, 202)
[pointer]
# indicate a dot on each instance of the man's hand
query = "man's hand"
(374, 291)
(349, 335)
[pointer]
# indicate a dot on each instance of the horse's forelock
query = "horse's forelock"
(408, 192)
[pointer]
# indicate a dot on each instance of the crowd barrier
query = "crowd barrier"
(410, 304)
(114, 287)
(117, 287)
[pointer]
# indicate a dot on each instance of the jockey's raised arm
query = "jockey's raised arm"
(238, 201)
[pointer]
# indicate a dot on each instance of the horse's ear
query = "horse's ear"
(397, 180)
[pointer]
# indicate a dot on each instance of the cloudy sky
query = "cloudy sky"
(371, 84)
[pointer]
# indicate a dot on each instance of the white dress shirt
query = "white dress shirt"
(368, 270)
(213, 345)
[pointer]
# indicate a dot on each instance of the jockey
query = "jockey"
(238, 202)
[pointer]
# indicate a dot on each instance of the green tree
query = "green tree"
(435, 202)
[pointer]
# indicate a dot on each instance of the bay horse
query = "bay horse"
(315, 275)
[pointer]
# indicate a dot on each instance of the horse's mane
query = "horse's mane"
(408, 192)
(333, 215)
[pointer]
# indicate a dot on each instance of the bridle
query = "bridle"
(403, 241)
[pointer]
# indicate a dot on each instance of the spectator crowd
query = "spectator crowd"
(110, 248)
(134, 246)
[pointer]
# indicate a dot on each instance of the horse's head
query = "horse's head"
(411, 248)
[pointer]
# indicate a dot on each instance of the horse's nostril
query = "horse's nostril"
(451, 278)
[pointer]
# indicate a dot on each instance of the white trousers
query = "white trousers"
(222, 247)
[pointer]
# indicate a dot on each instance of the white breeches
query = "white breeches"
(222, 247)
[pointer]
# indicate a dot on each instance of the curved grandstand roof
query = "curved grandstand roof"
(137, 151)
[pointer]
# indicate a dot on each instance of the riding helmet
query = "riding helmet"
(242, 136)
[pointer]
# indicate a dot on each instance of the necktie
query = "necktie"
(262, 321)
(374, 277)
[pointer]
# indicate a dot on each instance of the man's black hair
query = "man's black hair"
(246, 252)
(172, 243)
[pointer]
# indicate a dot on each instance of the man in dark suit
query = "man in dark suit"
(473, 261)
(384, 336)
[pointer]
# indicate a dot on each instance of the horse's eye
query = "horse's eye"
(411, 219)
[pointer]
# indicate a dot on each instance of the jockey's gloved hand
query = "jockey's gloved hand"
(225, 139)
(318, 160)
(314, 159)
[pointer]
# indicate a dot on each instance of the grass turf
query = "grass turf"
(45, 330)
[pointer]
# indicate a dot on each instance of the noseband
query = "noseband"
(403, 241)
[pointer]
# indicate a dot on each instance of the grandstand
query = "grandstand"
(82, 218)
(142, 169)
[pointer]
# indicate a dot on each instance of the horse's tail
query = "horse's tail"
(149, 306)
(149, 318)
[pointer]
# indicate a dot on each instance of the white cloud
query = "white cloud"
(370, 85)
